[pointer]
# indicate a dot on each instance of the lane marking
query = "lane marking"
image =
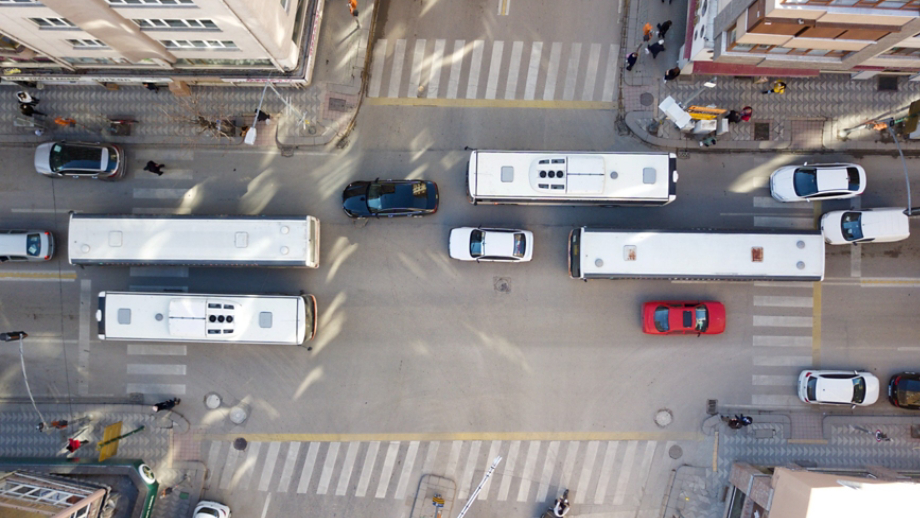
(164, 389)
(287, 473)
(782, 341)
(380, 55)
(603, 481)
(610, 76)
(307, 470)
(431, 456)
(453, 460)
(39, 276)
(533, 449)
(347, 468)
(782, 361)
(370, 458)
(626, 468)
(233, 456)
(243, 476)
(408, 464)
(546, 104)
(269, 467)
(784, 301)
(156, 349)
(460, 436)
(268, 499)
(517, 50)
(40, 211)
(508, 473)
(763, 380)
(581, 490)
(549, 465)
(784, 222)
(386, 472)
(816, 328)
(159, 193)
(156, 369)
(328, 466)
(568, 465)
(504, 7)
(418, 62)
(549, 89)
(775, 400)
(160, 210)
(434, 73)
(399, 55)
(467, 478)
(495, 69)
(456, 61)
(533, 70)
(494, 448)
(594, 60)
(213, 459)
(83, 341)
(571, 73)
(472, 85)
(781, 321)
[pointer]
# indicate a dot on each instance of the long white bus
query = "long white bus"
(706, 254)
(571, 178)
(194, 240)
(184, 317)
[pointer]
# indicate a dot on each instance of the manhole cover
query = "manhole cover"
(646, 99)
(212, 401)
(675, 452)
(761, 131)
(240, 444)
(338, 105)
(664, 417)
(502, 284)
(238, 415)
(887, 83)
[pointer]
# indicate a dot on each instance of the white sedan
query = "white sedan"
(817, 182)
(841, 227)
(838, 387)
(491, 244)
(206, 509)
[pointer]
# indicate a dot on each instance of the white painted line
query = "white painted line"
(347, 467)
(625, 471)
(784, 302)
(549, 89)
(782, 341)
(370, 458)
(332, 452)
(504, 7)
(160, 210)
(472, 85)
(213, 459)
(155, 388)
(784, 222)
(549, 466)
(39, 211)
(782, 321)
(156, 369)
(156, 350)
(418, 61)
(456, 60)
(603, 480)
(610, 77)
(493, 452)
(782, 361)
(172, 174)
(158, 271)
(909, 349)
(644, 468)
(380, 56)
(594, 59)
(399, 55)
(514, 68)
(508, 472)
(533, 449)
(271, 456)
(307, 472)
(268, 499)
(775, 400)
(763, 380)
(83, 367)
(568, 466)
(408, 464)
(571, 73)
(533, 70)
(768, 202)
(434, 73)
(856, 261)
(581, 490)
(233, 456)
(463, 485)
(158, 193)
(158, 288)
(453, 460)
(287, 473)
(784, 284)
(243, 476)
(430, 457)
(495, 69)
(387, 470)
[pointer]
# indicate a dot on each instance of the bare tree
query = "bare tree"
(190, 111)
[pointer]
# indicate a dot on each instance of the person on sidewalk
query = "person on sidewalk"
(59, 425)
(779, 87)
(262, 116)
(29, 109)
(169, 404)
(152, 87)
(671, 74)
(646, 31)
(746, 113)
(733, 117)
(631, 61)
(25, 98)
(663, 28)
(655, 48)
(154, 168)
(75, 444)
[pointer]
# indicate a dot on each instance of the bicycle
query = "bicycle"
(879, 435)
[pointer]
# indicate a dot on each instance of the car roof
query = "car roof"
(838, 390)
(833, 180)
(498, 242)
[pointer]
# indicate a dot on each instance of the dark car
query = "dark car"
(390, 198)
(904, 390)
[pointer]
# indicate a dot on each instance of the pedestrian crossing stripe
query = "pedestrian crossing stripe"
(489, 103)
(458, 436)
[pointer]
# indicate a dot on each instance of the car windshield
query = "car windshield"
(859, 389)
(382, 196)
(909, 392)
(661, 318)
(68, 157)
(850, 226)
(702, 318)
(805, 181)
(34, 245)
(853, 178)
(476, 242)
(520, 243)
(811, 391)
(208, 511)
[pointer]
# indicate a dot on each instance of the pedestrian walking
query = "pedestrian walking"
(671, 74)
(746, 113)
(25, 98)
(779, 87)
(646, 31)
(60, 425)
(152, 87)
(663, 28)
(154, 168)
(169, 404)
(733, 117)
(631, 60)
(655, 48)
(262, 116)
(29, 109)
(75, 444)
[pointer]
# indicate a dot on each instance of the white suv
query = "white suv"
(841, 227)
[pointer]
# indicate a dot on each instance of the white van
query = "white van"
(841, 227)
(26, 245)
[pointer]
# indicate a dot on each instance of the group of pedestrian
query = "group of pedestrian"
(650, 48)
(27, 104)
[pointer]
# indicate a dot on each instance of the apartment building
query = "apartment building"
(131, 41)
(802, 37)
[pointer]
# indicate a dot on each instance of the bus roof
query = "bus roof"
(633, 176)
(702, 255)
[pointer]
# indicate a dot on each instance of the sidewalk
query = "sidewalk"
(808, 117)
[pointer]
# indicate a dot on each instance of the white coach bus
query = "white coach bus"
(707, 254)
(571, 178)
(183, 317)
(134, 240)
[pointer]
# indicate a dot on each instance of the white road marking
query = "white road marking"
(775, 400)
(610, 77)
(783, 222)
(493, 452)
(83, 341)
(158, 271)
(533, 70)
(784, 302)
(387, 470)
(495, 69)
(40, 211)
(243, 474)
(408, 464)
(783, 284)
(508, 471)
(380, 56)
(453, 460)
(307, 470)
(434, 73)
(430, 457)
(594, 59)
(157, 288)
(142, 193)
(763, 380)
(856, 261)
(347, 467)
(418, 61)
(154, 388)
(213, 459)
(271, 456)
(287, 472)
(571, 74)
(463, 485)
(156, 369)
(533, 449)
(161, 210)
(782, 321)
(517, 49)
(399, 54)
(568, 466)
(156, 350)
(606, 472)
(504, 7)
(328, 466)
(644, 468)
(581, 490)
(629, 457)
(782, 341)
(781, 361)
(233, 456)
(268, 499)
(456, 60)
(549, 465)
(769, 202)
(472, 85)
(549, 89)
(370, 458)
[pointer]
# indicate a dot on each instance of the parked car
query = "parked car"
(817, 182)
(491, 244)
(683, 317)
(904, 390)
(829, 387)
(26, 245)
(207, 509)
(841, 227)
(80, 160)
(390, 198)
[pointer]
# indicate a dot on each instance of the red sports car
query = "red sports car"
(683, 317)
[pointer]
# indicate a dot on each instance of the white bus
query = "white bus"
(571, 178)
(706, 254)
(194, 240)
(184, 317)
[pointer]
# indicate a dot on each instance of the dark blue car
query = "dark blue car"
(390, 198)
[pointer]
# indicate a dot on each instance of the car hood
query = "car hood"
(459, 243)
(781, 183)
(716, 317)
(43, 158)
(354, 199)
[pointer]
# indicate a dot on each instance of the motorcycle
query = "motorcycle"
(560, 508)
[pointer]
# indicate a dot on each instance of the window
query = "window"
(175, 24)
(199, 45)
(702, 318)
(850, 226)
(53, 23)
(34, 245)
(150, 2)
(476, 237)
(88, 44)
(662, 314)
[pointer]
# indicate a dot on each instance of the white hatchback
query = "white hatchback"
(838, 387)
(817, 182)
(207, 509)
(491, 244)
(841, 227)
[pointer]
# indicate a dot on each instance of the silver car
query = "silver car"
(80, 160)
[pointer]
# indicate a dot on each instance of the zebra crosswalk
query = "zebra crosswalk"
(490, 70)
(612, 473)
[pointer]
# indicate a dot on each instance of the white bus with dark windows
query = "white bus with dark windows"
(571, 178)
(206, 318)
(184, 240)
(596, 253)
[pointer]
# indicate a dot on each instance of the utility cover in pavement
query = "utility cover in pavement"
(761, 131)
